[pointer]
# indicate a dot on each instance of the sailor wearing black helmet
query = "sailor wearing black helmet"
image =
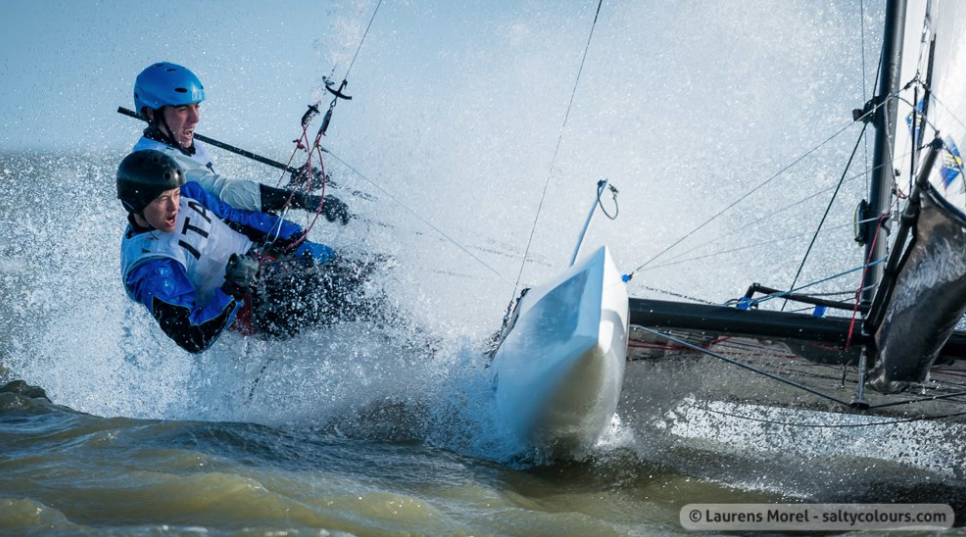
(187, 256)
(168, 96)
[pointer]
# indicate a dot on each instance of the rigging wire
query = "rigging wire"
(734, 231)
(928, 123)
(600, 203)
(441, 233)
(787, 381)
(744, 197)
(315, 148)
(361, 41)
(758, 221)
(772, 296)
(556, 150)
(743, 365)
(816, 282)
(949, 111)
(761, 185)
(834, 293)
(679, 295)
(828, 209)
(865, 98)
(858, 298)
(679, 261)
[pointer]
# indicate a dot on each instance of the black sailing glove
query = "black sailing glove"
(239, 275)
(300, 177)
(332, 207)
(275, 199)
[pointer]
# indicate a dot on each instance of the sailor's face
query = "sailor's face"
(181, 120)
(162, 213)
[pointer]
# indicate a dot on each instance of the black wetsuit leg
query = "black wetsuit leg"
(290, 297)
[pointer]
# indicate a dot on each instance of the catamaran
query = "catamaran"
(894, 349)
(566, 346)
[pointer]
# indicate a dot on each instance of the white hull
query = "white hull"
(558, 372)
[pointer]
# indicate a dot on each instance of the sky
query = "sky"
(67, 65)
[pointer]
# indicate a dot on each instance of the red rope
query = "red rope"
(865, 269)
(314, 147)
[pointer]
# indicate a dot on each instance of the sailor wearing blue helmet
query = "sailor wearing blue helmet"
(169, 96)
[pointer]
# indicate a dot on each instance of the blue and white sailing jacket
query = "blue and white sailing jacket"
(178, 275)
(199, 167)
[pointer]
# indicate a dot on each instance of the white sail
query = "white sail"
(936, 28)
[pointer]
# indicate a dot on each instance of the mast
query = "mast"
(883, 174)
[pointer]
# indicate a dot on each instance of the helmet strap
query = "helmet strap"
(161, 122)
(135, 220)
(155, 132)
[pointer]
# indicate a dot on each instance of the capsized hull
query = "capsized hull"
(559, 370)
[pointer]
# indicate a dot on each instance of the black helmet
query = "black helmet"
(143, 176)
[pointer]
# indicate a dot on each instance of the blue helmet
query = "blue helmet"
(164, 84)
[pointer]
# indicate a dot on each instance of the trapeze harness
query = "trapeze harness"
(177, 276)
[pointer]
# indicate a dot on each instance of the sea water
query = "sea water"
(376, 429)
